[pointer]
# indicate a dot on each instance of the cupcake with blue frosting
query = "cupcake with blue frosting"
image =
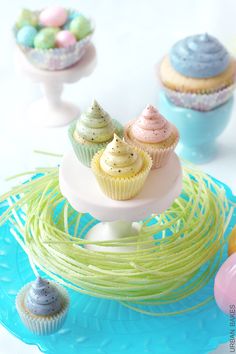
(42, 306)
(198, 73)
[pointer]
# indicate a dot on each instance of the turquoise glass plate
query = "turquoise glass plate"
(97, 326)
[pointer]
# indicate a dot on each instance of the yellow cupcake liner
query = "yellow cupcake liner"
(121, 188)
(42, 325)
(159, 155)
(85, 152)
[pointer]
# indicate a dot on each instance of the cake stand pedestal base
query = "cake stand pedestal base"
(52, 110)
(111, 231)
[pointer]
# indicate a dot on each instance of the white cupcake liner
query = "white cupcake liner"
(56, 58)
(200, 102)
(159, 156)
(42, 325)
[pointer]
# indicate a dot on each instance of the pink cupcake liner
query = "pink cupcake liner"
(160, 156)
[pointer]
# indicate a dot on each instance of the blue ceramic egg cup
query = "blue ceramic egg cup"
(198, 130)
(99, 326)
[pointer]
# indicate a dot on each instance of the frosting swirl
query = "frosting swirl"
(151, 127)
(95, 125)
(120, 160)
(43, 298)
(199, 56)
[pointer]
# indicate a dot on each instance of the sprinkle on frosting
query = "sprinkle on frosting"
(199, 56)
(95, 125)
(43, 298)
(151, 127)
(120, 160)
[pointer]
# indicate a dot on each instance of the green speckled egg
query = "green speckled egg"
(26, 18)
(80, 27)
(46, 38)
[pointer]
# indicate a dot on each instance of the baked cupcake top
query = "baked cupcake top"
(120, 159)
(199, 56)
(151, 127)
(43, 298)
(95, 125)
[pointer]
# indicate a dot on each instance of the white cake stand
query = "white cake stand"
(79, 186)
(51, 110)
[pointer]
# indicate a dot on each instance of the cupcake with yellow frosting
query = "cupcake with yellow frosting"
(92, 132)
(121, 169)
(154, 134)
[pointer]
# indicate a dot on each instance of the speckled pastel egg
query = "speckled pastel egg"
(26, 18)
(232, 242)
(65, 39)
(46, 38)
(225, 285)
(80, 27)
(71, 16)
(53, 16)
(26, 35)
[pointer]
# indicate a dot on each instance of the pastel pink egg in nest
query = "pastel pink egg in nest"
(65, 39)
(53, 16)
(225, 285)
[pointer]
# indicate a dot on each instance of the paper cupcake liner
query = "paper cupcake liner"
(159, 156)
(85, 152)
(42, 325)
(56, 58)
(200, 102)
(121, 188)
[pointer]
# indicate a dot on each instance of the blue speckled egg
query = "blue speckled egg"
(26, 35)
(71, 16)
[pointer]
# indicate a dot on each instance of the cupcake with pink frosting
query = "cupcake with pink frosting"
(154, 134)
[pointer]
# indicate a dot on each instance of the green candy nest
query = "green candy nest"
(185, 243)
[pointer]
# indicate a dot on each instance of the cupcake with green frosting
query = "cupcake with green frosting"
(92, 132)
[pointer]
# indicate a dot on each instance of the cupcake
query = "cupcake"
(42, 306)
(152, 133)
(92, 132)
(199, 73)
(121, 169)
(54, 38)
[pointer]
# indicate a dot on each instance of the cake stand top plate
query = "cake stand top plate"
(79, 186)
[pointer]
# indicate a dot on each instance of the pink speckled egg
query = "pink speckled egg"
(53, 16)
(65, 39)
(225, 286)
